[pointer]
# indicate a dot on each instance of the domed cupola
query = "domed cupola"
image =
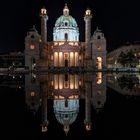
(66, 28)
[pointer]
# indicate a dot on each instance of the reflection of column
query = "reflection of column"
(71, 79)
(55, 81)
(61, 81)
(44, 112)
(63, 60)
(58, 60)
(88, 106)
(76, 82)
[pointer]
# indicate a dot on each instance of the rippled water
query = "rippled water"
(70, 106)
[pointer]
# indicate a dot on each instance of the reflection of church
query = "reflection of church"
(65, 90)
(65, 50)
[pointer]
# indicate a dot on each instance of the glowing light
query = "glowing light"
(99, 62)
(56, 43)
(55, 97)
(71, 43)
(71, 81)
(43, 11)
(55, 81)
(61, 43)
(66, 10)
(76, 44)
(88, 127)
(61, 97)
(60, 81)
(76, 82)
(32, 93)
(99, 78)
(32, 47)
(76, 58)
(88, 12)
(73, 97)
(19, 87)
(55, 59)
(44, 128)
(71, 59)
(60, 59)
(52, 83)
(80, 83)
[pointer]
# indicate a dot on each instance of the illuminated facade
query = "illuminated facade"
(65, 50)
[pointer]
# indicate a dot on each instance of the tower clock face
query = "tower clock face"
(32, 47)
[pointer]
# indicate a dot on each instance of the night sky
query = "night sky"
(118, 19)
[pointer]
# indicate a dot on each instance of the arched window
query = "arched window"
(32, 36)
(66, 24)
(98, 37)
(55, 37)
(76, 38)
(66, 36)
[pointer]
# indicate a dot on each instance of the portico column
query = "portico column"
(69, 60)
(74, 59)
(58, 59)
(63, 60)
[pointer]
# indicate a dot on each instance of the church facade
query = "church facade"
(65, 50)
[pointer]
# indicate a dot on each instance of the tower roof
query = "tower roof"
(33, 29)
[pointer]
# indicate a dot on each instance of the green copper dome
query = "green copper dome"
(66, 27)
(65, 21)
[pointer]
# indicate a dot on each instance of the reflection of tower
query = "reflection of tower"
(88, 88)
(87, 19)
(88, 93)
(99, 91)
(32, 92)
(44, 109)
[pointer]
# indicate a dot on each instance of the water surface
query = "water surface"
(70, 106)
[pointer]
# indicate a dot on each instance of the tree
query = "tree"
(130, 58)
(122, 59)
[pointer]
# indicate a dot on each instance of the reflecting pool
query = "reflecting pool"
(70, 106)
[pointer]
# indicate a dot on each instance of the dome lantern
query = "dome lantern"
(66, 10)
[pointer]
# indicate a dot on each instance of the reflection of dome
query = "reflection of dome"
(67, 21)
(66, 111)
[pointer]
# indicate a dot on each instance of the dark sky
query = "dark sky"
(118, 19)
